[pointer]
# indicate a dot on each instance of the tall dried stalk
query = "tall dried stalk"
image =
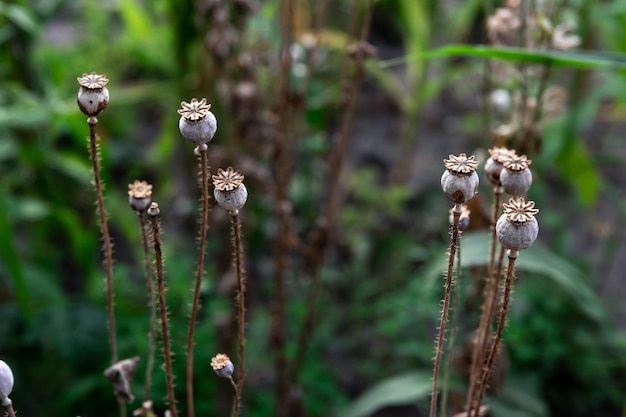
(456, 301)
(490, 292)
(152, 332)
(241, 304)
(203, 182)
(107, 246)
(282, 211)
(153, 212)
(504, 308)
(446, 305)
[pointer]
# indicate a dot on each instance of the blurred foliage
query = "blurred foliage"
(380, 300)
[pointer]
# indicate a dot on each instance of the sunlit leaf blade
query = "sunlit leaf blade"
(401, 389)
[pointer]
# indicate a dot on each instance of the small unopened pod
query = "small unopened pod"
(6, 383)
(516, 177)
(222, 365)
(197, 124)
(460, 180)
(93, 96)
(494, 165)
(139, 195)
(230, 192)
(517, 227)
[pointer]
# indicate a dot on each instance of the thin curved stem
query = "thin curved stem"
(236, 409)
(165, 333)
(204, 226)
(446, 305)
(241, 304)
(107, 247)
(152, 332)
(504, 308)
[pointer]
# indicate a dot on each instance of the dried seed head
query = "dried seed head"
(516, 163)
(195, 111)
(503, 27)
(228, 180)
(121, 375)
(517, 227)
(494, 165)
(461, 165)
(519, 211)
(563, 37)
(139, 194)
(93, 96)
(464, 219)
(93, 81)
(197, 124)
(6, 383)
(222, 365)
(460, 180)
(230, 192)
(516, 178)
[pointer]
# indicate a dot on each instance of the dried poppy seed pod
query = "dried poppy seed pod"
(494, 165)
(460, 180)
(516, 178)
(230, 192)
(121, 375)
(517, 227)
(197, 124)
(464, 219)
(6, 383)
(93, 96)
(139, 195)
(222, 366)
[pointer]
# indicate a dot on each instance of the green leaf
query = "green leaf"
(515, 402)
(575, 59)
(538, 259)
(398, 390)
(10, 258)
(577, 167)
(21, 17)
(135, 20)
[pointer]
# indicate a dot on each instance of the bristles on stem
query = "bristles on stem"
(504, 308)
(94, 155)
(152, 332)
(490, 293)
(165, 334)
(444, 311)
(203, 181)
(241, 305)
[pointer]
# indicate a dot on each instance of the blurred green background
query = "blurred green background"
(372, 344)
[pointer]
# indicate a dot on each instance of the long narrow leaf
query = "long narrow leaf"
(574, 59)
